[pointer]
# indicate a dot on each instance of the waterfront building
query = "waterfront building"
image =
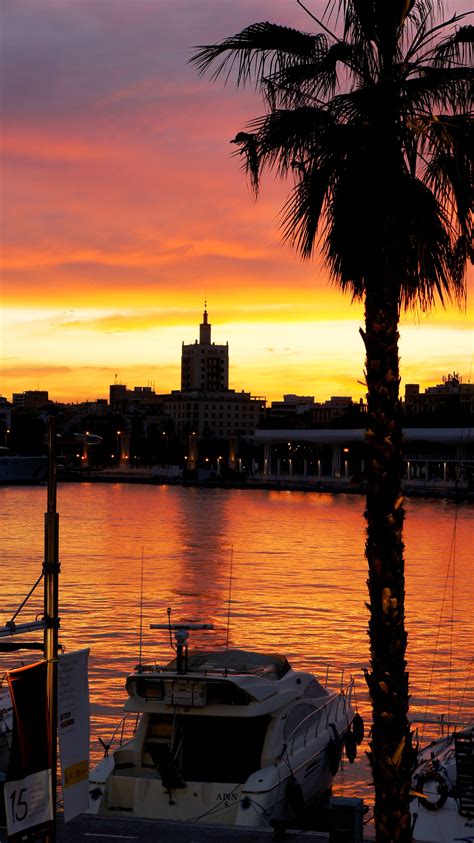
(452, 395)
(205, 406)
(204, 365)
(31, 398)
(304, 411)
(335, 407)
(203, 409)
(434, 458)
(219, 414)
(291, 405)
(5, 420)
(121, 398)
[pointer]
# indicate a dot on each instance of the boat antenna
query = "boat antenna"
(141, 619)
(170, 628)
(230, 595)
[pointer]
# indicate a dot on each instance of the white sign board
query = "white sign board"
(74, 731)
(28, 802)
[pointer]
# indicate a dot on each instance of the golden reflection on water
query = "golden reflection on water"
(298, 583)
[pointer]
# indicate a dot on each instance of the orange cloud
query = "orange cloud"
(126, 207)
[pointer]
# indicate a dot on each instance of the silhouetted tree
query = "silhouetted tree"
(373, 124)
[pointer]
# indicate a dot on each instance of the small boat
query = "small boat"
(442, 806)
(228, 736)
(16, 469)
(443, 787)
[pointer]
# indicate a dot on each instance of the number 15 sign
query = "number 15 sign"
(28, 802)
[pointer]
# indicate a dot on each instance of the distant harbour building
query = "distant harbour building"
(5, 419)
(120, 397)
(292, 405)
(204, 365)
(451, 394)
(204, 406)
(218, 414)
(297, 406)
(31, 398)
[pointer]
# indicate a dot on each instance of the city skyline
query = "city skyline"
(123, 209)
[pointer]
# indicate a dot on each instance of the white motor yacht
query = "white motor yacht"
(228, 736)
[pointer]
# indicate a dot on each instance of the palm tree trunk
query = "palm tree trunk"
(391, 754)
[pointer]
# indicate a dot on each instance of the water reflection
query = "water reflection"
(204, 555)
(298, 583)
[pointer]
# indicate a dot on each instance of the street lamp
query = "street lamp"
(346, 463)
(118, 447)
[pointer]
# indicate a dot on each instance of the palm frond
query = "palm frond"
(260, 50)
(303, 212)
(449, 141)
(456, 48)
(374, 127)
(248, 150)
(434, 88)
(283, 137)
(431, 263)
(321, 78)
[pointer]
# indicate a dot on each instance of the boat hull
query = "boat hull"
(23, 471)
(280, 793)
(443, 826)
(221, 803)
(229, 737)
(445, 775)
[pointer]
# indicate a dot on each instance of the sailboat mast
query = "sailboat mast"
(51, 569)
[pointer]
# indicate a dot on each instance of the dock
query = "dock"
(93, 829)
(102, 830)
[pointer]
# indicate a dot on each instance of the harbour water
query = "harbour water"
(276, 571)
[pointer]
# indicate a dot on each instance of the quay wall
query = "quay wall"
(411, 488)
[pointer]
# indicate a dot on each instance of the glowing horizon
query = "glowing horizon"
(124, 208)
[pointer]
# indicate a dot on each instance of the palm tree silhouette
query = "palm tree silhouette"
(373, 125)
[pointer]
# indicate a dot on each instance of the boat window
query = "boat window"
(314, 690)
(296, 716)
(226, 693)
(160, 727)
(221, 749)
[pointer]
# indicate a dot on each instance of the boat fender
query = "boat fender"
(350, 746)
(358, 728)
(334, 750)
(294, 796)
(443, 790)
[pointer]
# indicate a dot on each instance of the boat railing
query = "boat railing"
(335, 676)
(124, 732)
(443, 727)
(318, 720)
(165, 671)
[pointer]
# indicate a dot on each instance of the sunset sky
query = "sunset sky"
(122, 208)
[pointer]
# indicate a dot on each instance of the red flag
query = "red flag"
(28, 798)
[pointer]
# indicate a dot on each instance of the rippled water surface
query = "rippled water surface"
(291, 563)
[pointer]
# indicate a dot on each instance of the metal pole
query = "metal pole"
(51, 569)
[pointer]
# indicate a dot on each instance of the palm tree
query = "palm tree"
(373, 125)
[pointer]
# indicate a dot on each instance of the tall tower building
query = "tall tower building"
(205, 365)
